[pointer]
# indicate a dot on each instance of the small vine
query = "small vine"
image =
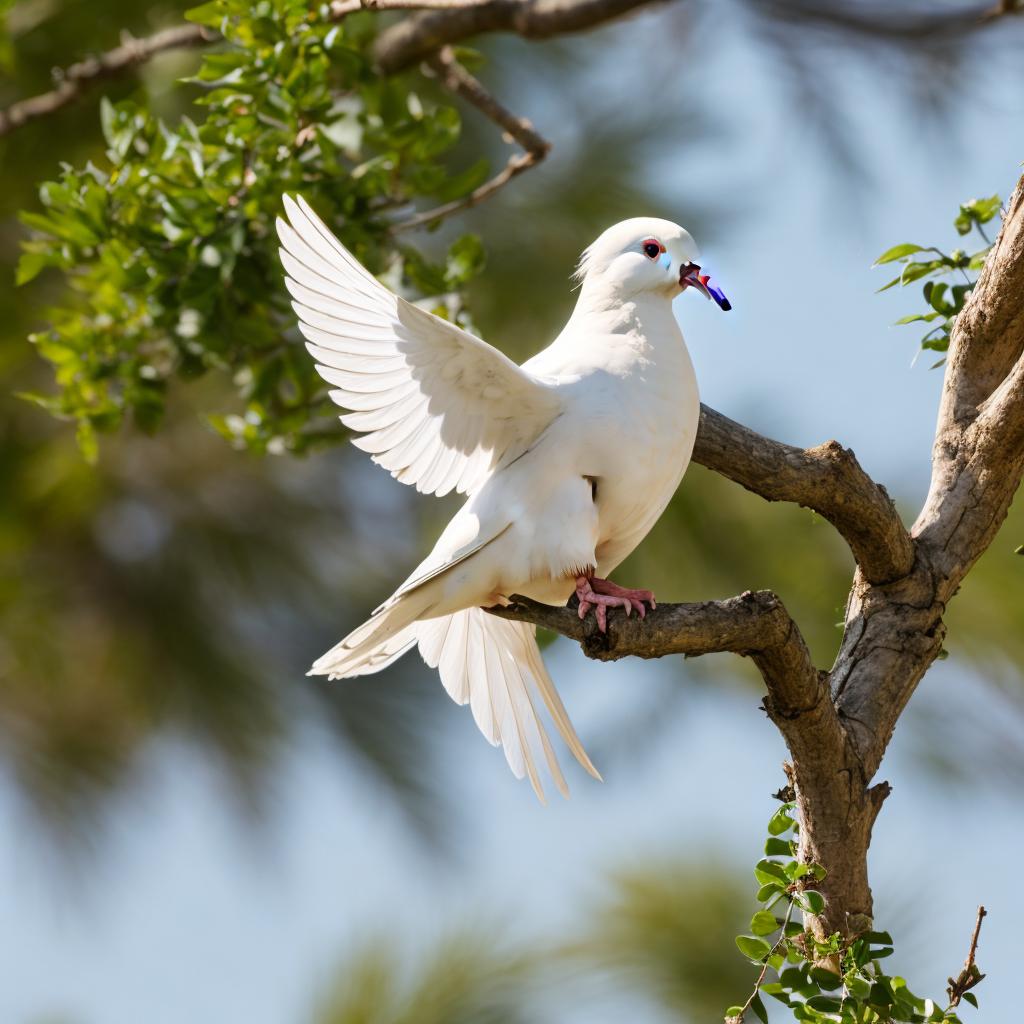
(836, 981)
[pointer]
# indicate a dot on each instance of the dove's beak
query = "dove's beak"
(691, 277)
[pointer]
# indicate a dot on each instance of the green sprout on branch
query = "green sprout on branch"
(835, 981)
(944, 300)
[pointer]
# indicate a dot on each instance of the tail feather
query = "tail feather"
(494, 665)
(553, 702)
(388, 652)
(539, 734)
(376, 642)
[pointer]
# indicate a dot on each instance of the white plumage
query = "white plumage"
(568, 460)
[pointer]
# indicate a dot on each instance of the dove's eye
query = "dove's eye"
(653, 248)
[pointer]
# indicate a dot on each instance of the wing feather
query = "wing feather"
(438, 408)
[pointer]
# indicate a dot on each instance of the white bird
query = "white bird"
(567, 460)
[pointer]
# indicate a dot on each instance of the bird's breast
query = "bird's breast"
(641, 435)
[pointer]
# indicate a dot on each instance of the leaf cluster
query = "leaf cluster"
(944, 300)
(836, 981)
(168, 247)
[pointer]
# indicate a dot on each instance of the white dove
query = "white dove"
(568, 460)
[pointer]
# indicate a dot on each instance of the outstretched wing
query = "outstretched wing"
(439, 408)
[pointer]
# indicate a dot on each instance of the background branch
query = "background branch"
(83, 76)
(411, 40)
(456, 79)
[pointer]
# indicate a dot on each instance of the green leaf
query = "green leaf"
(780, 821)
(858, 986)
(764, 923)
(775, 847)
(825, 978)
(914, 318)
(877, 938)
(465, 260)
(971, 998)
(811, 900)
(211, 14)
(768, 871)
(29, 265)
(753, 948)
(758, 1007)
(934, 297)
(825, 1004)
(914, 271)
(898, 251)
(768, 890)
(880, 994)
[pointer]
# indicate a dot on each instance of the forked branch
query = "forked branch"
(827, 479)
(456, 79)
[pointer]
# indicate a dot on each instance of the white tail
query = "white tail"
(385, 636)
(494, 665)
(491, 664)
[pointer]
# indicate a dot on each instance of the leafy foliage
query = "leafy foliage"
(944, 300)
(835, 981)
(169, 247)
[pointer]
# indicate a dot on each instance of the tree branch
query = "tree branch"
(755, 625)
(454, 77)
(81, 77)
(398, 47)
(827, 479)
(978, 457)
(894, 633)
(837, 812)
(414, 38)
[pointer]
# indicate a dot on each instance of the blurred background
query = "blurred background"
(192, 830)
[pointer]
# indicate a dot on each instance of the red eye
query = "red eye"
(653, 249)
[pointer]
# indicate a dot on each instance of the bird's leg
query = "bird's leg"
(594, 592)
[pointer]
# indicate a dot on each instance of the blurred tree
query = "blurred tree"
(179, 586)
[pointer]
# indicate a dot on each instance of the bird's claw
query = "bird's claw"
(599, 594)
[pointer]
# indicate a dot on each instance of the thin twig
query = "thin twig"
(739, 1017)
(454, 77)
(970, 975)
(80, 77)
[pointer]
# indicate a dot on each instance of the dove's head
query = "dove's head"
(646, 255)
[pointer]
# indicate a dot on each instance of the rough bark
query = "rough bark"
(827, 479)
(837, 724)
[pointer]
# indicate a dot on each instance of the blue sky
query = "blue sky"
(255, 920)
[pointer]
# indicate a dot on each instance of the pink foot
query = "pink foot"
(594, 592)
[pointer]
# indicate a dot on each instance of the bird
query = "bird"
(566, 461)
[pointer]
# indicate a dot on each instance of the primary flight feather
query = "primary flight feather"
(567, 460)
